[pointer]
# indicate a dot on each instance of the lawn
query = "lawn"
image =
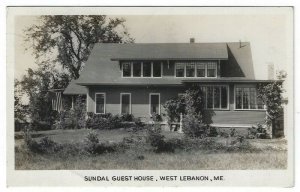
(272, 154)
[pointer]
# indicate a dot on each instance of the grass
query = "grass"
(272, 154)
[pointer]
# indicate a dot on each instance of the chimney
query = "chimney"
(270, 71)
(192, 40)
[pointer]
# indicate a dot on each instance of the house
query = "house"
(138, 78)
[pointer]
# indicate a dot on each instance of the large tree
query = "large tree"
(68, 40)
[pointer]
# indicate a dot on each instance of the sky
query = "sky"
(270, 35)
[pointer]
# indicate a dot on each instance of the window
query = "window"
(211, 69)
(180, 69)
(100, 103)
(156, 69)
(215, 96)
(142, 69)
(190, 70)
(126, 69)
(125, 103)
(147, 69)
(154, 103)
(196, 69)
(200, 69)
(246, 98)
(137, 69)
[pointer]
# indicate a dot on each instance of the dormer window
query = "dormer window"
(142, 69)
(212, 69)
(126, 67)
(196, 69)
(137, 69)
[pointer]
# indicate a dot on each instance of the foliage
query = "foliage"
(157, 117)
(94, 147)
(175, 107)
(257, 131)
(45, 145)
(103, 121)
(127, 117)
(192, 127)
(271, 96)
(67, 40)
(73, 118)
(157, 140)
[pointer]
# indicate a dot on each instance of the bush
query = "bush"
(192, 127)
(127, 117)
(44, 146)
(156, 139)
(73, 118)
(103, 121)
(92, 145)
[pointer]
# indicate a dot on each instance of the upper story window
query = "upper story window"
(142, 69)
(196, 69)
(211, 69)
(126, 67)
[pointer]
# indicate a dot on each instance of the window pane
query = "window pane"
(190, 70)
(147, 69)
(126, 69)
(201, 70)
(217, 97)
(246, 98)
(154, 104)
(209, 97)
(100, 103)
(156, 69)
(224, 97)
(179, 69)
(252, 98)
(125, 105)
(211, 69)
(137, 69)
(238, 98)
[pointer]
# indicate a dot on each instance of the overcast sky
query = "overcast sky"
(270, 35)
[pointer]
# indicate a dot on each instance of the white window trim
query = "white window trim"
(100, 93)
(217, 109)
(142, 70)
(195, 68)
(150, 94)
(234, 100)
(121, 94)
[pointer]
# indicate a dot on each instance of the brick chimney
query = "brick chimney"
(270, 71)
(192, 40)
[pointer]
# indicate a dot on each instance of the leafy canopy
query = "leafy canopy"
(68, 40)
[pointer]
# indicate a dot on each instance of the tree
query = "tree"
(271, 96)
(68, 40)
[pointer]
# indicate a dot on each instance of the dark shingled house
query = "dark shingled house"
(138, 78)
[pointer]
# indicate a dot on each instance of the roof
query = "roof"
(171, 51)
(102, 67)
(75, 89)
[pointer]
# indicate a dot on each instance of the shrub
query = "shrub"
(103, 121)
(192, 127)
(92, 145)
(73, 118)
(212, 132)
(127, 117)
(44, 146)
(174, 107)
(156, 139)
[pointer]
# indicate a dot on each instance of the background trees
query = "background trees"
(61, 45)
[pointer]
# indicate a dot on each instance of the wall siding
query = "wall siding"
(140, 103)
